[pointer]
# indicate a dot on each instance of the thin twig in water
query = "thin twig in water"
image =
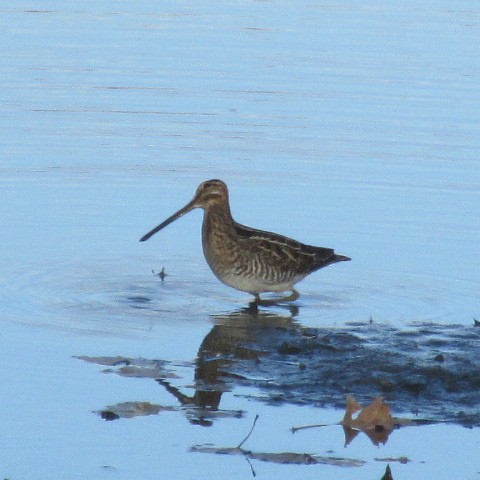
(249, 433)
(160, 274)
(254, 474)
(304, 427)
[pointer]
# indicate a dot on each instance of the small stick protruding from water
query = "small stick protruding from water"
(304, 427)
(254, 474)
(160, 274)
(249, 433)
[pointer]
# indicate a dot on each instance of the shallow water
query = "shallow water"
(352, 126)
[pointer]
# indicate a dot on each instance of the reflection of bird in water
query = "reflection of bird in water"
(230, 340)
(247, 259)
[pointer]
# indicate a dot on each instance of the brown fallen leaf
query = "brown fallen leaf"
(304, 459)
(372, 417)
(132, 409)
(293, 458)
(403, 460)
(377, 437)
(132, 367)
(109, 361)
(375, 420)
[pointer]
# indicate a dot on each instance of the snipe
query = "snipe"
(245, 258)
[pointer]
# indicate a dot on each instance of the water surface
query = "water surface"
(352, 126)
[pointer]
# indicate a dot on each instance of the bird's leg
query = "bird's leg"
(274, 301)
(293, 296)
(255, 303)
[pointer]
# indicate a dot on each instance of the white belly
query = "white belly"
(255, 285)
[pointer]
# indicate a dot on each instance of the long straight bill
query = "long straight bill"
(189, 206)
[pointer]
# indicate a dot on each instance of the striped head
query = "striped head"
(208, 194)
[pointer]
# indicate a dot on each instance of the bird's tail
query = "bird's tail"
(326, 256)
(340, 258)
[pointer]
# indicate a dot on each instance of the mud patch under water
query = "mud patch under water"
(426, 370)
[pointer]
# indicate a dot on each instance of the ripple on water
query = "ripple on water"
(114, 295)
(102, 297)
(288, 354)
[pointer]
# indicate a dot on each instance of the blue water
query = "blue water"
(350, 125)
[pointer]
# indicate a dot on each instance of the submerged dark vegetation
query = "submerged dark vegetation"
(425, 371)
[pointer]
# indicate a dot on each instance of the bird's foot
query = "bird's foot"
(275, 301)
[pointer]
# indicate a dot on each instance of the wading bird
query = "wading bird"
(245, 258)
